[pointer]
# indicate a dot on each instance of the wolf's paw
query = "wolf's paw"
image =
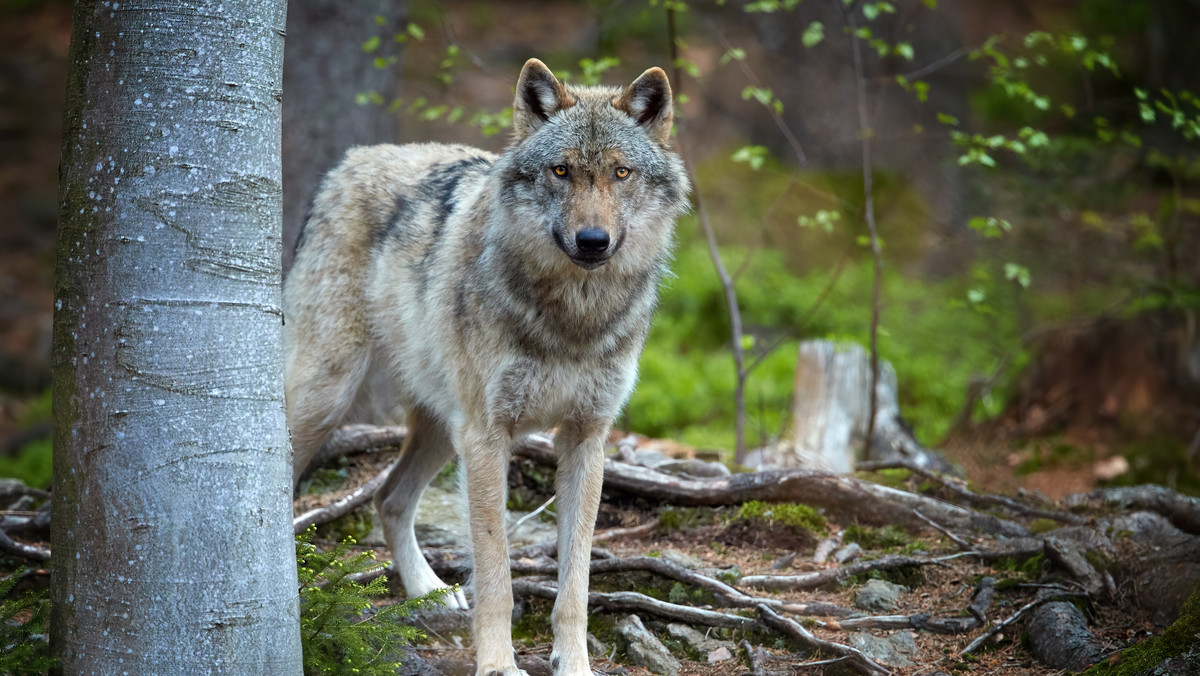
(494, 671)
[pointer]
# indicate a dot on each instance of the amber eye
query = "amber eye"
(560, 170)
(622, 173)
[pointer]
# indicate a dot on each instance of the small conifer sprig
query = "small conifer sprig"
(23, 630)
(336, 637)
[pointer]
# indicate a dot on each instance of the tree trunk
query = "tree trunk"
(171, 528)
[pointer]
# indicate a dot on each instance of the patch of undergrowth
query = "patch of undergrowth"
(31, 461)
(1176, 640)
(787, 514)
(1028, 569)
(884, 537)
(892, 478)
(905, 576)
(534, 626)
(530, 485)
(681, 518)
(356, 524)
(337, 635)
(325, 479)
(24, 629)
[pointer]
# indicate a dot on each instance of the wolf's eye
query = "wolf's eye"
(559, 170)
(622, 173)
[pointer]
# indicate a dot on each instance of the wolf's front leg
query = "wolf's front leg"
(580, 449)
(485, 454)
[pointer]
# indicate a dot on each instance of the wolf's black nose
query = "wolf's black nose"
(591, 240)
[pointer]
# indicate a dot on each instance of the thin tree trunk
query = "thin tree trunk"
(171, 529)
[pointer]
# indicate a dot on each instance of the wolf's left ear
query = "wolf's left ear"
(648, 101)
(539, 95)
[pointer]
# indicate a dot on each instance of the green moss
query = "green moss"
(892, 478)
(1040, 526)
(787, 514)
(680, 518)
(1174, 641)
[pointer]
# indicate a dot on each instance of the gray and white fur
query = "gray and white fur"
(506, 294)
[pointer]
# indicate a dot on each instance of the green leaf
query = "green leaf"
(371, 44)
(871, 11)
(752, 155)
(976, 295)
(1017, 273)
(813, 35)
(905, 51)
(949, 120)
(734, 54)
(415, 31)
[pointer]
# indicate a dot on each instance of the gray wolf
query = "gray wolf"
(505, 294)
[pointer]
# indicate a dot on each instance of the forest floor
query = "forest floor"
(725, 543)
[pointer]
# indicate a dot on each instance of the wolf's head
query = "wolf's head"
(589, 178)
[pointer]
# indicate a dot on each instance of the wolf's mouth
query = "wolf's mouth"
(589, 262)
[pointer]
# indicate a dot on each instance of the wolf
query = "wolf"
(504, 294)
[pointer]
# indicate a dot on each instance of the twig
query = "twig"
(933, 67)
(530, 515)
(963, 544)
(731, 299)
(632, 531)
(987, 635)
(801, 158)
(345, 504)
(823, 577)
(854, 658)
(641, 602)
(23, 550)
(751, 658)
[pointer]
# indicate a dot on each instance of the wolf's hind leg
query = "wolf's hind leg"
(322, 381)
(425, 451)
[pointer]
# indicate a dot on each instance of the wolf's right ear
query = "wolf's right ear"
(539, 95)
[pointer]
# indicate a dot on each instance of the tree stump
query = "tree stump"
(832, 395)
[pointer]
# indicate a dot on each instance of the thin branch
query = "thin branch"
(933, 67)
(963, 544)
(345, 504)
(634, 601)
(854, 658)
(530, 515)
(710, 236)
(821, 578)
(633, 531)
(801, 158)
(864, 133)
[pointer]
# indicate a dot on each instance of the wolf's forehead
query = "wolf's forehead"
(597, 134)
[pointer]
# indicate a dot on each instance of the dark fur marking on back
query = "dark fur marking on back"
(302, 236)
(438, 188)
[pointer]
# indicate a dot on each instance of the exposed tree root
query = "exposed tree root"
(343, 505)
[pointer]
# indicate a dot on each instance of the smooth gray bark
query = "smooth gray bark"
(171, 528)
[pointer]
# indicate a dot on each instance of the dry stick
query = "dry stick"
(640, 602)
(530, 515)
(855, 659)
(751, 658)
(344, 504)
(962, 544)
(823, 577)
(954, 486)
(633, 531)
(23, 550)
(710, 236)
(864, 133)
(987, 635)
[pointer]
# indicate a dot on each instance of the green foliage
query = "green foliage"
(24, 625)
(31, 462)
(787, 514)
(335, 636)
(1039, 526)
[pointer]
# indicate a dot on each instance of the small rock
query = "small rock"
(893, 651)
(784, 561)
(719, 655)
(878, 596)
(848, 553)
(596, 647)
(681, 558)
(696, 640)
(644, 649)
